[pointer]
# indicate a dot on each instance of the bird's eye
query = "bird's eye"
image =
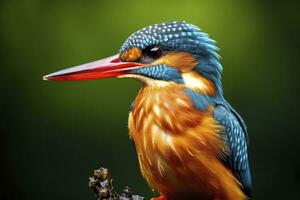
(154, 52)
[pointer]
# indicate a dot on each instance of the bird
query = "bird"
(191, 143)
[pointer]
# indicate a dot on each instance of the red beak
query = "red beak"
(105, 68)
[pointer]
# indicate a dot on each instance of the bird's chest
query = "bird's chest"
(171, 137)
(169, 110)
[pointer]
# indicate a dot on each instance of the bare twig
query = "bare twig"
(101, 183)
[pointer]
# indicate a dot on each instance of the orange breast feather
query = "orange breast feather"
(179, 147)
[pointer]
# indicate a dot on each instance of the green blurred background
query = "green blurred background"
(54, 134)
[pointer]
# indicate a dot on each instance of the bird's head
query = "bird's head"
(173, 52)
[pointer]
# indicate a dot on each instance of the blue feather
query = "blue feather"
(235, 135)
(200, 101)
(161, 72)
(236, 140)
(131, 106)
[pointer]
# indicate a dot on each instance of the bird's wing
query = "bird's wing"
(236, 139)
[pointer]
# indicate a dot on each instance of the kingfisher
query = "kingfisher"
(190, 142)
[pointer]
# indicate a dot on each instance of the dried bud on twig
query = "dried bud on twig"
(101, 183)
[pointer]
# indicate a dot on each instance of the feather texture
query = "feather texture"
(237, 156)
(179, 146)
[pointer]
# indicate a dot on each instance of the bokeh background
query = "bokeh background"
(52, 135)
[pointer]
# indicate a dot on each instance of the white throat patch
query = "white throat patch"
(147, 81)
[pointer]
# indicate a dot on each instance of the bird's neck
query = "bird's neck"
(166, 106)
(211, 69)
(166, 103)
(190, 80)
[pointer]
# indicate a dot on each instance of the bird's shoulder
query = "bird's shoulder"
(234, 132)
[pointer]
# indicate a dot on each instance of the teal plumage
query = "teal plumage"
(190, 142)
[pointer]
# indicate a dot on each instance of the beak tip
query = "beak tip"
(46, 78)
